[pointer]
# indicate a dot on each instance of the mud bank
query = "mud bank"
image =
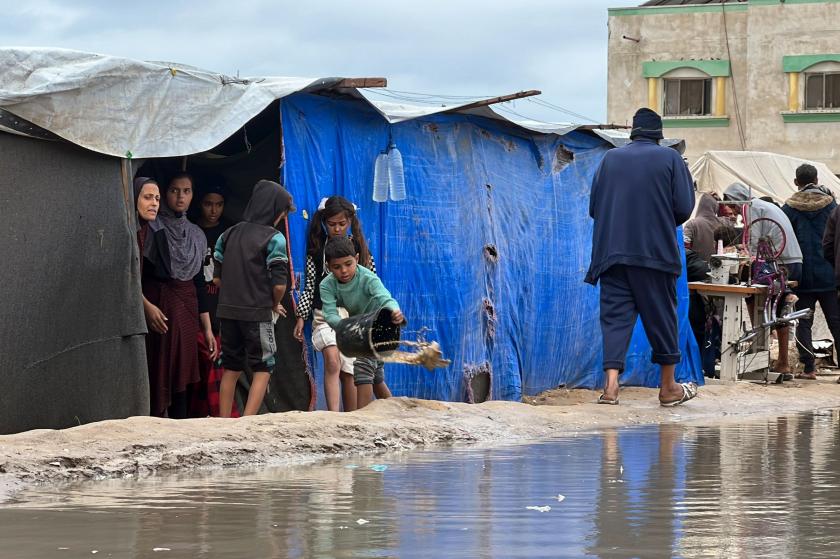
(142, 446)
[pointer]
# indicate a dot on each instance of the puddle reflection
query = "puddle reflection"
(761, 489)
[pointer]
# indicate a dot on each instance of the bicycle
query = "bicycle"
(764, 240)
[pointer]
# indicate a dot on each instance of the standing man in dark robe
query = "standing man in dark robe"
(640, 194)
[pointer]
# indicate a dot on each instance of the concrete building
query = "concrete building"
(761, 75)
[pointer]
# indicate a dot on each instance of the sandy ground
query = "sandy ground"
(142, 445)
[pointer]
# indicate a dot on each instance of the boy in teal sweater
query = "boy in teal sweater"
(360, 291)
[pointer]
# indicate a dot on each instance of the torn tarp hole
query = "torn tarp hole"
(562, 158)
(478, 382)
(491, 253)
(490, 313)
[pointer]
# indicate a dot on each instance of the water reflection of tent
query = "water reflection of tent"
(489, 250)
(769, 174)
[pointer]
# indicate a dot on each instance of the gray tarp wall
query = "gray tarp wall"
(71, 321)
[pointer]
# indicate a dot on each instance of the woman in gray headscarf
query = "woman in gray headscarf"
(173, 283)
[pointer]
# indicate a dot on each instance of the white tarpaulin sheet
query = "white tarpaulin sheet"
(128, 108)
(118, 106)
(769, 174)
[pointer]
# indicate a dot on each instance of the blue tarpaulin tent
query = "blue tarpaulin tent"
(489, 250)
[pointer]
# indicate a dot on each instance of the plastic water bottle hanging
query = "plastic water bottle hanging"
(389, 174)
(381, 178)
(396, 173)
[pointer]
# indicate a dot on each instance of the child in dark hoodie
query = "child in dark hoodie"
(252, 265)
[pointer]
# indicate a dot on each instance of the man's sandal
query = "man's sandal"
(608, 401)
(689, 392)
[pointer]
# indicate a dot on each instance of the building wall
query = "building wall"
(779, 30)
(759, 35)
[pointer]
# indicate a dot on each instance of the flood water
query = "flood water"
(757, 489)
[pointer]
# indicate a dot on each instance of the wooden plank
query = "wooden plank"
(749, 362)
(502, 99)
(732, 319)
(363, 82)
(604, 127)
(760, 376)
(712, 288)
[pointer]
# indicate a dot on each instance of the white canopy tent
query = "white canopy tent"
(768, 174)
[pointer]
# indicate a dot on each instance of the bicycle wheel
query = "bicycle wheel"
(765, 239)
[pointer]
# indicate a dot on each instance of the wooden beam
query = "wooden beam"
(502, 99)
(604, 127)
(363, 82)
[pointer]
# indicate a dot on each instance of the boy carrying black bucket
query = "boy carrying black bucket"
(360, 291)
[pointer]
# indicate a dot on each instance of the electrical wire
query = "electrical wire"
(447, 99)
(738, 122)
(524, 117)
(558, 108)
(420, 94)
(409, 99)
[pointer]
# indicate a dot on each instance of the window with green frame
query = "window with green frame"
(822, 90)
(687, 96)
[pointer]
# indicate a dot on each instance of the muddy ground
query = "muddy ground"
(142, 446)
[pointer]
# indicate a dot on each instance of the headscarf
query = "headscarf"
(186, 244)
(147, 243)
(139, 183)
(646, 124)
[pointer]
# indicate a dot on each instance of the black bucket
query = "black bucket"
(368, 335)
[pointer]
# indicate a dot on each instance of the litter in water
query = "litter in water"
(379, 467)
(540, 509)
(161, 549)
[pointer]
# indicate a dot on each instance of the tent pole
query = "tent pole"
(125, 175)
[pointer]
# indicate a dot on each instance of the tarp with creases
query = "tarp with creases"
(488, 251)
(72, 328)
(769, 174)
(133, 109)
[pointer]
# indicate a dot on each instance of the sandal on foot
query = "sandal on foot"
(689, 391)
(608, 401)
(807, 376)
